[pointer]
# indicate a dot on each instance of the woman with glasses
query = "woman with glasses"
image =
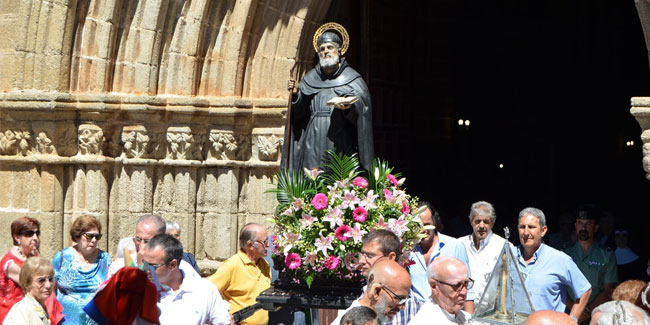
(36, 281)
(25, 233)
(80, 269)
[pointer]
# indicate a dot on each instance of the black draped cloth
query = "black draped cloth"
(317, 127)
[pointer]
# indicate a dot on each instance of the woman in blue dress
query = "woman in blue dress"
(80, 269)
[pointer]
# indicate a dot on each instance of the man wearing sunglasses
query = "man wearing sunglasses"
(388, 290)
(146, 228)
(449, 282)
(183, 300)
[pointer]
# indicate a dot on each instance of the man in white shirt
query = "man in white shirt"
(183, 300)
(146, 228)
(449, 284)
(482, 245)
(387, 291)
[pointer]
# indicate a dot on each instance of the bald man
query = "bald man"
(449, 283)
(549, 317)
(388, 288)
(243, 276)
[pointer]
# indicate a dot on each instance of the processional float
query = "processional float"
(505, 299)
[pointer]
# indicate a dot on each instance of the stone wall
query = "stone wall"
(120, 108)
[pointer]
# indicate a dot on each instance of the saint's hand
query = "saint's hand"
(291, 85)
(342, 106)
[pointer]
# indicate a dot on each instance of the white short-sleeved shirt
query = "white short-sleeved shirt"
(431, 313)
(482, 261)
(196, 302)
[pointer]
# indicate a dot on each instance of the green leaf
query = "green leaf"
(291, 185)
(309, 279)
(340, 167)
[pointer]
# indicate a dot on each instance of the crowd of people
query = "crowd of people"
(444, 284)
(578, 285)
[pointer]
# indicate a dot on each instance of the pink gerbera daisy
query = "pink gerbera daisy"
(319, 201)
(360, 214)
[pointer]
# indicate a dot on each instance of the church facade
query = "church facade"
(119, 108)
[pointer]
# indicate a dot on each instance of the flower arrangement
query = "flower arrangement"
(322, 216)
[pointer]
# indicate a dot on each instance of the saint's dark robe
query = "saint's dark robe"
(317, 127)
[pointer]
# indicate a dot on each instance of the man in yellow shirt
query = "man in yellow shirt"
(243, 276)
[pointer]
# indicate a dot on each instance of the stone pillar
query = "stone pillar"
(641, 111)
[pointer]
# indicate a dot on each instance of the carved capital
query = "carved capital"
(135, 140)
(180, 143)
(7, 142)
(223, 145)
(16, 142)
(91, 139)
(268, 147)
(44, 145)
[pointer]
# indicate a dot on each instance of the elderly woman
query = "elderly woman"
(36, 281)
(174, 229)
(24, 232)
(80, 269)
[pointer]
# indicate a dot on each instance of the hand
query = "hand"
(291, 85)
(34, 252)
(584, 316)
(342, 106)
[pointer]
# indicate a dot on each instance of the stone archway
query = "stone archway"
(119, 108)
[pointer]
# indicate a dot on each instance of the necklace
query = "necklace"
(20, 253)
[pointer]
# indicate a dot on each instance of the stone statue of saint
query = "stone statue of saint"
(343, 125)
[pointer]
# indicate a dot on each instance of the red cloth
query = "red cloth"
(127, 294)
(10, 292)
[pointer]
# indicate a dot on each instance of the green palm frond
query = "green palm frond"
(377, 174)
(340, 166)
(291, 185)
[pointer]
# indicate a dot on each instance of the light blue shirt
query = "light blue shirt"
(447, 246)
(547, 277)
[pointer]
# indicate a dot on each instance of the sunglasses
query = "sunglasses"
(90, 236)
(30, 233)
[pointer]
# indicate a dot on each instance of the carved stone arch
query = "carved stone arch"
(280, 36)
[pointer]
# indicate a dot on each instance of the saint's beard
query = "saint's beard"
(328, 62)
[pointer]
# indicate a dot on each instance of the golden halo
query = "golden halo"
(332, 26)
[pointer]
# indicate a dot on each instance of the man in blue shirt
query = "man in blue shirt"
(548, 272)
(431, 247)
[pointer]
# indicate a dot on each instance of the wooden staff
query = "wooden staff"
(287, 140)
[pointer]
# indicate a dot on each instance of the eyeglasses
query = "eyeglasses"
(90, 236)
(369, 255)
(400, 299)
(264, 242)
(137, 240)
(146, 265)
(30, 233)
(460, 285)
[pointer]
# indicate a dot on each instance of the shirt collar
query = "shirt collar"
(536, 255)
(482, 243)
(246, 260)
(449, 316)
